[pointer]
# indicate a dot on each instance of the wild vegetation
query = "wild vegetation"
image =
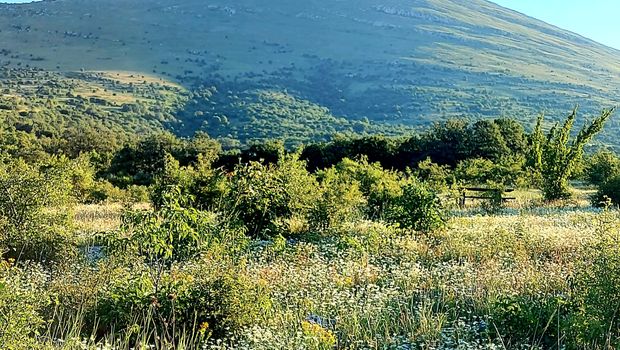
(356, 243)
(241, 185)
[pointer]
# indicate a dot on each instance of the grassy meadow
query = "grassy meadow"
(515, 279)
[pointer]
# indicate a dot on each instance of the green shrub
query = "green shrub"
(480, 171)
(35, 210)
(438, 176)
(264, 195)
(418, 208)
(602, 167)
(537, 318)
(340, 201)
(182, 275)
(172, 177)
(137, 194)
(82, 176)
(22, 299)
(380, 187)
(608, 193)
(198, 300)
(171, 233)
(104, 191)
(204, 186)
(369, 237)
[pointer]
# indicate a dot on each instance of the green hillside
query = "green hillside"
(329, 66)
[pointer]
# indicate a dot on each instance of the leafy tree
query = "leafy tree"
(480, 171)
(410, 152)
(20, 144)
(139, 163)
(514, 135)
(378, 149)
(447, 143)
(556, 156)
(341, 200)
(268, 152)
(487, 141)
(380, 187)
(85, 138)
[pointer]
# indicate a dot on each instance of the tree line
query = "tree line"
(493, 152)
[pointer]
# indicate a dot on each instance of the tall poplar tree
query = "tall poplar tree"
(556, 155)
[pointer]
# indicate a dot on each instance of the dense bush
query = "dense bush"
(601, 167)
(104, 191)
(140, 162)
(202, 185)
(169, 284)
(22, 301)
(380, 187)
(480, 171)
(35, 210)
(437, 176)
(608, 193)
(172, 233)
(522, 318)
(263, 194)
(340, 201)
(418, 208)
(190, 300)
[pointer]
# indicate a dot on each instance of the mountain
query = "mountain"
(244, 69)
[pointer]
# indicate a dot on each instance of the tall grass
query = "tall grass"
(526, 278)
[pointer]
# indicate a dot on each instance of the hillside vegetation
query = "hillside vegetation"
(373, 65)
(317, 175)
(358, 243)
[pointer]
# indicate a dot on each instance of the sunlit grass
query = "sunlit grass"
(369, 286)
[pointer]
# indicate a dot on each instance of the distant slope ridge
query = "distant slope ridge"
(376, 63)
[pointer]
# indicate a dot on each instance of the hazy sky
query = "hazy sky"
(595, 19)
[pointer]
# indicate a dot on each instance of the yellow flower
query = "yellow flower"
(321, 338)
(203, 328)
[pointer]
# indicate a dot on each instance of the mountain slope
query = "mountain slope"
(374, 62)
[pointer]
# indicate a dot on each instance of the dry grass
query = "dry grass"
(94, 218)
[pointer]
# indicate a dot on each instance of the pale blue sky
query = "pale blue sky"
(595, 19)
